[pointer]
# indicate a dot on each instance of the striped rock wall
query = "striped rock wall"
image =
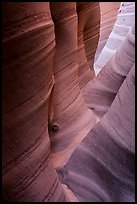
(102, 167)
(70, 113)
(124, 21)
(53, 147)
(88, 35)
(109, 11)
(28, 174)
(100, 92)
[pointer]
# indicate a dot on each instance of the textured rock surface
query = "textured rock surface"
(28, 49)
(101, 169)
(47, 67)
(109, 11)
(101, 91)
(70, 112)
(88, 36)
(124, 21)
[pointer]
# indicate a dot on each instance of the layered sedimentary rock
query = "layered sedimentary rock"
(28, 50)
(124, 21)
(109, 11)
(88, 35)
(71, 116)
(101, 91)
(47, 67)
(102, 167)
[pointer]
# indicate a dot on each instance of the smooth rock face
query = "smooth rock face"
(101, 169)
(100, 92)
(28, 49)
(124, 21)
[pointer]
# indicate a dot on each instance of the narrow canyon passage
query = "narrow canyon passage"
(67, 134)
(102, 167)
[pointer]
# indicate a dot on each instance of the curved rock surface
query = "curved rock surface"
(100, 92)
(101, 169)
(70, 112)
(88, 35)
(28, 47)
(54, 147)
(124, 21)
(109, 11)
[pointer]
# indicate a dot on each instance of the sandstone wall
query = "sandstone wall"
(67, 135)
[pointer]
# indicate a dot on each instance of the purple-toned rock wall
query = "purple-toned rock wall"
(67, 135)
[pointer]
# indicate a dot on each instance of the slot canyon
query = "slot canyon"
(68, 101)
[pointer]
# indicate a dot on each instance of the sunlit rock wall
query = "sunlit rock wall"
(109, 11)
(124, 21)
